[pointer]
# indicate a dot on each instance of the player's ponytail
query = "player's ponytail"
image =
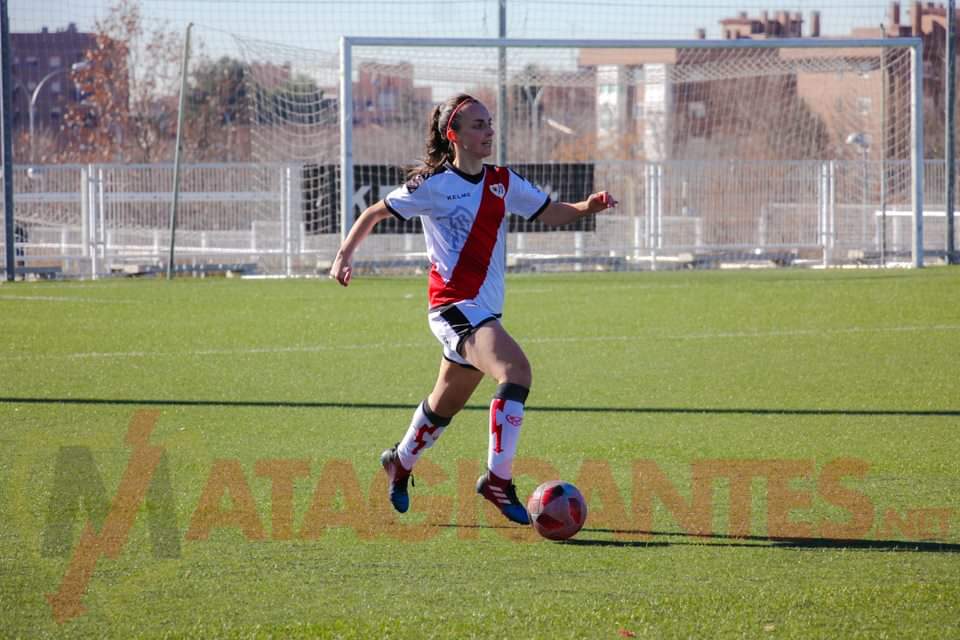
(443, 117)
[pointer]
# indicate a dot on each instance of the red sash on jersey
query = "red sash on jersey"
(471, 269)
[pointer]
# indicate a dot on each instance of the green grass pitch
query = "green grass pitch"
(765, 454)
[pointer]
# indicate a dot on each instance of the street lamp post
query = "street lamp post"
(76, 66)
(862, 141)
(534, 118)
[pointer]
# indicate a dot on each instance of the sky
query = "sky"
(301, 32)
(319, 23)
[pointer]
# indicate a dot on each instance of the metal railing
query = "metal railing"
(96, 220)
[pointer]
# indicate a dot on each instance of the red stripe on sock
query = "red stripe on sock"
(426, 428)
(496, 428)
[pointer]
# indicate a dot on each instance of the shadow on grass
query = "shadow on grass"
(728, 541)
(757, 542)
(295, 404)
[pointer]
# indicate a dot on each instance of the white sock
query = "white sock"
(506, 417)
(425, 429)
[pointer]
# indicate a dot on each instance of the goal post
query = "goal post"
(762, 147)
(346, 137)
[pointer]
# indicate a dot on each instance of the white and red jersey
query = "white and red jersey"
(465, 225)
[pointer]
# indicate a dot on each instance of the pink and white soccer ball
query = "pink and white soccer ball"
(557, 510)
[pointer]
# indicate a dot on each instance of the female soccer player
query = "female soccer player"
(463, 203)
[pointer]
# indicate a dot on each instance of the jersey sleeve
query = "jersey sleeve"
(524, 199)
(409, 200)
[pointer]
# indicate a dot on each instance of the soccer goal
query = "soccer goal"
(778, 151)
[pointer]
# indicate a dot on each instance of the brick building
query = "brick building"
(671, 120)
(45, 57)
(385, 93)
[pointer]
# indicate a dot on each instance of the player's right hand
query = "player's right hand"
(341, 270)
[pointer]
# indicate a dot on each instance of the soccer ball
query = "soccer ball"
(557, 510)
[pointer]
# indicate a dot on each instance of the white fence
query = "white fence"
(96, 220)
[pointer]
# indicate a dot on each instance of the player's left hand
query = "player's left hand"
(599, 201)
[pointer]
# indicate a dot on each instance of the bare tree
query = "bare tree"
(128, 85)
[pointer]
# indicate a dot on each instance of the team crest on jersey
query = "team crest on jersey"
(498, 190)
(414, 183)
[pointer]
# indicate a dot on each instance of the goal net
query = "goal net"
(720, 152)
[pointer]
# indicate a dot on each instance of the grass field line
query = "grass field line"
(68, 299)
(707, 335)
(214, 352)
(815, 332)
(523, 290)
(379, 346)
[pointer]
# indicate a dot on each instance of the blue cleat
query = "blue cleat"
(399, 476)
(503, 494)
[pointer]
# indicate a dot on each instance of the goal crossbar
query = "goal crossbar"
(546, 43)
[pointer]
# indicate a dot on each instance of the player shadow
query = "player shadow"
(598, 543)
(404, 406)
(453, 525)
(772, 542)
